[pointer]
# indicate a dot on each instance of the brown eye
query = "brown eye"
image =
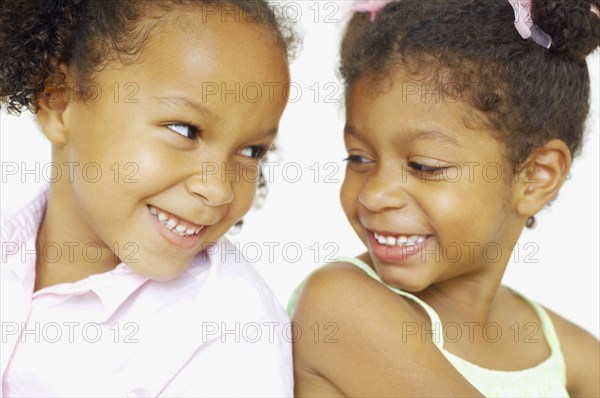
(254, 151)
(185, 130)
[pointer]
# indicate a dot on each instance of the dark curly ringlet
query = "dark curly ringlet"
(524, 93)
(37, 36)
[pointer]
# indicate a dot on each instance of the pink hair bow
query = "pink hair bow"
(525, 26)
(370, 6)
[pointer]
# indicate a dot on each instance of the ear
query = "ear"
(52, 105)
(541, 176)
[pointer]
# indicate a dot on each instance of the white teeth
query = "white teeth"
(402, 240)
(413, 239)
(173, 226)
(171, 223)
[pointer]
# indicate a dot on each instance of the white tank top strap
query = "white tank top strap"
(545, 379)
(556, 356)
(436, 324)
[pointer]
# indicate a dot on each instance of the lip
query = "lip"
(189, 222)
(182, 242)
(390, 233)
(395, 254)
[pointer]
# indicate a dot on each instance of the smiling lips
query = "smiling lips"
(402, 240)
(174, 224)
(396, 248)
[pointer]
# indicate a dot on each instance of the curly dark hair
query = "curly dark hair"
(37, 36)
(525, 93)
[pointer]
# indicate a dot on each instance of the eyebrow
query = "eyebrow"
(269, 133)
(187, 105)
(414, 135)
(436, 135)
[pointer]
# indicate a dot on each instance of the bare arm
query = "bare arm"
(369, 354)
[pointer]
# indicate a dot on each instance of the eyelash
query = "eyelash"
(355, 159)
(423, 168)
(418, 167)
(258, 151)
(195, 130)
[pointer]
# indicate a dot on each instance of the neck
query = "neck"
(67, 250)
(473, 296)
(466, 299)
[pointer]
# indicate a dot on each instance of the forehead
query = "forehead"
(402, 92)
(188, 40)
(401, 105)
(229, 68)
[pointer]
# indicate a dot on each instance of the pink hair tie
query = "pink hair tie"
(370, 6)
(525, 26)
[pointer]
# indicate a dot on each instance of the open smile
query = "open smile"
(175, 230)
(174, 223)
(393, 248)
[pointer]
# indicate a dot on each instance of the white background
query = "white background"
(302, 224)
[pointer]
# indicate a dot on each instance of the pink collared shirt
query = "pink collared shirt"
(217, 330)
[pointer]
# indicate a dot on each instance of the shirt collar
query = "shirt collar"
(113, 288)
(18, 236)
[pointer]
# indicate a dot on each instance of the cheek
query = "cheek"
(138, 170)
(151, 169)
(466, 210)
(244, 195)
(348, 195)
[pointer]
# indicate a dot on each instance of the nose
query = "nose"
(383, 189)
(213, 183)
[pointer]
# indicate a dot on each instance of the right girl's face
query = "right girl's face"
(421, 188)
(173, 141)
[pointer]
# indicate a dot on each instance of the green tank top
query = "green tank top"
(547, 379)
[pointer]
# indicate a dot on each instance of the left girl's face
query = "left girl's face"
(428, 196)
(167, 148)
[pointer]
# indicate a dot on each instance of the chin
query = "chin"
(406, 282)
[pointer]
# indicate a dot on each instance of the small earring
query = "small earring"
(530, 222)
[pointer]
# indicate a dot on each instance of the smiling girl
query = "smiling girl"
(143, 298)
(462, 122)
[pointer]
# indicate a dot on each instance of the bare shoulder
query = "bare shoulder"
(344, 294)
(582, 357)
(349, 341)
(332, 285)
